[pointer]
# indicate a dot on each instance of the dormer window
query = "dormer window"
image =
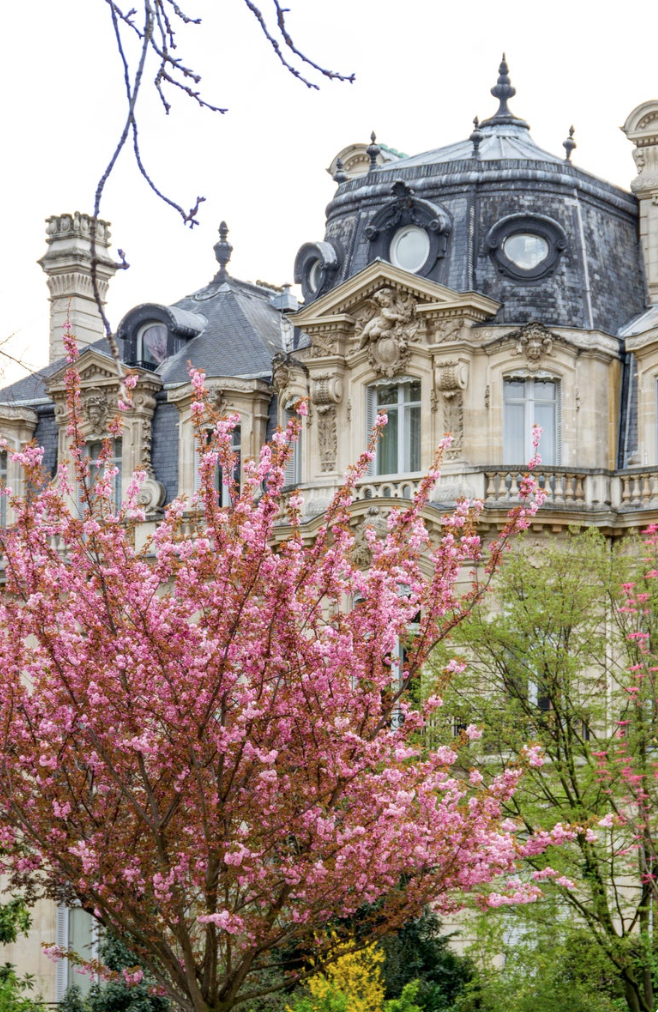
(152, 342)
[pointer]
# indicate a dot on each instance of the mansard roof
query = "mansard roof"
(241, 336)
(33, 388)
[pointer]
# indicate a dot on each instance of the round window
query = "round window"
(525, 250)
(410, 248)
(315, 276)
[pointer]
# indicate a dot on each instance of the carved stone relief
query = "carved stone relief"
(452, 379)
(326, 393)
(448, 330)
(385, 326)
(534, 341)
(97, 410)
(375, 518)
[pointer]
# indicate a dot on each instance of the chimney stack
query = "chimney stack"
(67, 262)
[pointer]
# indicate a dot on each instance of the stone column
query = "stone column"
(67, 263)
(641, 128)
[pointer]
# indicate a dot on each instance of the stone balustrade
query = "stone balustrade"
(387, 488)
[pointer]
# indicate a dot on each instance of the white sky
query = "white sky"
(424, 69)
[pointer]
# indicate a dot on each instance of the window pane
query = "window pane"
(387, 448)
(514, 451)
(387, 395)
(154, 344)
(545, 417)
(411, 391)
(412, 440)
(81, 940)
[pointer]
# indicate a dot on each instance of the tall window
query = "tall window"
(529, 402)
(3, 483)
(294, 465)
(76, 930)
(94, 449)
(222, 484)
(398, 450)
(152, 345)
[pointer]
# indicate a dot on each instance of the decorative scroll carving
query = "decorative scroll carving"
(448, 330)
(452, 378)
(327, 437)
(534, 341)
(385, 327)
(375, 518)
(326, 393)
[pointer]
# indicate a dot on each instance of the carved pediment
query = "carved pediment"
(382, 309)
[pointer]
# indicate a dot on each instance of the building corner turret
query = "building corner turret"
(641, 128)
(68, 264)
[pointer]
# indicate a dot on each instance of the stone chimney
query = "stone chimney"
(67, 263)
(641, 128)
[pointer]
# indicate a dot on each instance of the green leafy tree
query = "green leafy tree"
(555, 661)
(420, 953)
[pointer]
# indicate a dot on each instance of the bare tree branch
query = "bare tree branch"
(157, 38)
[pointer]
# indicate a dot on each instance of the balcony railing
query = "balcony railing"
(387, 488)
(567, 488)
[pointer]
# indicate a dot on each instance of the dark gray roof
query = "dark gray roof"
(33, 387)
(499, 142)
(242, 335)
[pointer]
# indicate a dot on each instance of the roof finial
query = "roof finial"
(373, 151)
(340, 176)
(569, 144)
(503, 89)
(223, 250)
(476, 137)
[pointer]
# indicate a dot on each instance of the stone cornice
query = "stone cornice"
(333, 308)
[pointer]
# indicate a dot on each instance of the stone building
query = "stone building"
(477, 289)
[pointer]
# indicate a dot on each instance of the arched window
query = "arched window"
(530, 401)
(152, 345)
(398, 450)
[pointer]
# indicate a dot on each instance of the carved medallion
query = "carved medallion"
(375, 517)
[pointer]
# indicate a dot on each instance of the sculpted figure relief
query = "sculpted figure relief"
(385, 328)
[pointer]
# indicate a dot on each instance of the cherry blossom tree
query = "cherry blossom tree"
(205, 744)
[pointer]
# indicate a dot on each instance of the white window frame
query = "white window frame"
(63, 969)
(116, 460)
(372, 410)
(294, 466)
(222, 488)
(529, 401)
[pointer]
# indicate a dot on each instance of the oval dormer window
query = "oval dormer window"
(315, 276)
(410, 248)
(525, 250)
(152, 345)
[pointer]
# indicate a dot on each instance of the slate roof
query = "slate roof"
(500, 141)
(32, 388)
(241, 337)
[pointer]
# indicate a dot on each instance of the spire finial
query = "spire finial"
(503, 89)
(569, 144)
(373, 151)
(340, 176)
(223, 250)
(476, 137)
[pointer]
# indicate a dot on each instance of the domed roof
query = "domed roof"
(499, 141)
(501, 137)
